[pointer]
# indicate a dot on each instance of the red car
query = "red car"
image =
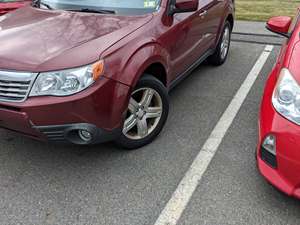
(96, 71)
(278, 151)
(10, 5)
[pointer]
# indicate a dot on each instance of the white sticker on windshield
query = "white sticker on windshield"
(149, 3)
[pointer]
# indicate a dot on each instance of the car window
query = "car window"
(295, 22)
(120, 6)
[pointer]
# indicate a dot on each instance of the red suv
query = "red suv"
(95, 71)
(10, 5)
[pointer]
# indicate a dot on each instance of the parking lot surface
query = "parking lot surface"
(48, 184)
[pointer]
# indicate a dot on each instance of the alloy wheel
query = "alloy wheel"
(144, 113)
(225, 42)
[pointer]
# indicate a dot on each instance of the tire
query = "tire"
(136, 132)
(219, 57)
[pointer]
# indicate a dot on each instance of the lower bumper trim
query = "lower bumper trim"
(69, 133)
(268, 157)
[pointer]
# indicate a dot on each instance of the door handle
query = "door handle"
(203, 13)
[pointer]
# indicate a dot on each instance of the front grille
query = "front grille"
(15, 86)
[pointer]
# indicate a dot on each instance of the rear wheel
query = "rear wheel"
(222, 49)
(147, 113)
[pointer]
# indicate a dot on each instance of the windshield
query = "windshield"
(127, 7)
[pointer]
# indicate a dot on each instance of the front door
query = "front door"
(191, 34)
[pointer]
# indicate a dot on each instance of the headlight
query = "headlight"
(67, 82)
(286, 97)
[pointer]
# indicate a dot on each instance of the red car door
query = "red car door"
(185, 41)
(206, 26)
(210, 18)
(193, 34)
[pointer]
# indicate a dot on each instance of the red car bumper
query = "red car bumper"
(99, 110)
(286, 175)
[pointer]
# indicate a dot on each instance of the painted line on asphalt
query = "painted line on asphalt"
(182, 195)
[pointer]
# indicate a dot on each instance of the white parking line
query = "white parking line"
(182, 195)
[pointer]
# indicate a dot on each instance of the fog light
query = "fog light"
(269, 144)
(85, 135)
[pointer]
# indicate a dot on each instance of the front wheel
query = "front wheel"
(222, 49)
(147, 113)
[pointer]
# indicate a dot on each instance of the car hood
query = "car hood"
(293, 60)
(39, 40)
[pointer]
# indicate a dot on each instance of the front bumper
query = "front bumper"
(286, 175)
(99, 109)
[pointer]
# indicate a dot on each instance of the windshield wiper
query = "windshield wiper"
(88, 10)
(38, 3)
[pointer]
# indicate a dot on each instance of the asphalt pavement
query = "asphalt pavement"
(44, 184)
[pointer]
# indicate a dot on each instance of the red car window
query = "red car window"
(295, 21)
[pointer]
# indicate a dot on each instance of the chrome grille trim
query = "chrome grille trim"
(15, 86)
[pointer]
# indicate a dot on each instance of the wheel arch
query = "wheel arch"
(154, 62)
(157, 70)
(230, 19)
(227, 18)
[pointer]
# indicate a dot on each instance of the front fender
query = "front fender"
(131, 67)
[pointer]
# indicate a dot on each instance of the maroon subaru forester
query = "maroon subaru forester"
(92, 71)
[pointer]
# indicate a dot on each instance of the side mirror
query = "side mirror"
(280, 25)
(180, 6)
